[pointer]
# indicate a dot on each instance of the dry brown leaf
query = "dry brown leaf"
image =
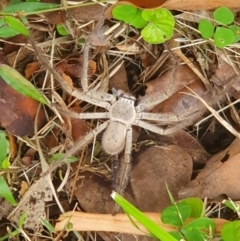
(73, 67)
(87, 13)
(79, 127)
(4, 3)
(31, 69)
(24, 188)
(93, 193)
(219, 176)
(13, 145)
(18, 111)
(156, 167)
(183, 104)
(200, 5)
(33, 204)
(119, 80)
(10, 47)
(84, 13)
(68, 79)
(186, 141)
(167, 84)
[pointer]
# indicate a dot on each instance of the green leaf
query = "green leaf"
(232, 205)
(231, 231)
(48, 225)
(68, 226)
(19, 83)
(206, 28)
(199, 229)
(22, 219)
(7, 31)
(10, 236)
(4, 147)
(177, 235)
(150, 225)
(223, 15)
(129, 14)
(5, 192)
(29, 7)
(197, 206)
(176, 214)
(62, 30)
(17, 25)
(223, 37)
(6, 164)
(59, 156)
(161, 26)
(2, 22)
(236, 31)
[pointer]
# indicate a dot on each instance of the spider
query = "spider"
(122, 112)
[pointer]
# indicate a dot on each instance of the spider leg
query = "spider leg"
(125, 166)
(78, 146)
(154, 128)
(99, 99)
(162, 118)
(97, 115)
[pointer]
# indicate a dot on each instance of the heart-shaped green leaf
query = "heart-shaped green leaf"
(223, 15)
(223, 37)
(161, 25)
(129, 14)
(206, 28)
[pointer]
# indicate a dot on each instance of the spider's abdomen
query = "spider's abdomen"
(123, 111)
(113, 140)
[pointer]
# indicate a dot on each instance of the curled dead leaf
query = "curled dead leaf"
(220, 176)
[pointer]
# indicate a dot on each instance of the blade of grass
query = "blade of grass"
(150, 225)
(5, 192)
(19, 83)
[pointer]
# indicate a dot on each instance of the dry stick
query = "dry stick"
(44, 164)
(218, 111)
(119, 223)
(179, 53)
(216, 115)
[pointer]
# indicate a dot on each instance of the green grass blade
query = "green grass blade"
(5, 192)
(4, 147)
(19, 83)
(150, 225)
